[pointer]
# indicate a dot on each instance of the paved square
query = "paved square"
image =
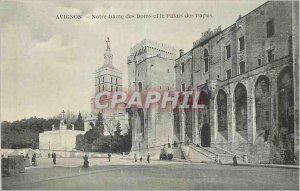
(125, 174)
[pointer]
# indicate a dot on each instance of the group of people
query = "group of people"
(53, 156)
(141, 158)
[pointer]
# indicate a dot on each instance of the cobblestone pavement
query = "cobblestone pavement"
(125, 174)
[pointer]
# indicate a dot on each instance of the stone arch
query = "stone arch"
(222, 110)
(204, 117)
(140, 86)
(141, 121)
(240, 102)
(262, 95)
(285, 131)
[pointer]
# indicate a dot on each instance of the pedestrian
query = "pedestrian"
(234, 161)
(33, 160)
(135, 157)
(85, 161)
(109, 156)
(148, 158)
(141, 158)
(48, 155)
(54, 158)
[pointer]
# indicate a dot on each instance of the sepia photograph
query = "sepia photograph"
(149, 95)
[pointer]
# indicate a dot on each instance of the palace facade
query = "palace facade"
(248, 78)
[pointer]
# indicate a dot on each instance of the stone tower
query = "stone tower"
(107, 78)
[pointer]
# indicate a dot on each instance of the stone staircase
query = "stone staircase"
(197, 153)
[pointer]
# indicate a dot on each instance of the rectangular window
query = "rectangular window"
(111, 79)
(259, 61)
(228, 52)
(99, 81)
(270, 55)
(242, 43)
(270, 28)
(182, 87)
(103, 79)
(228, 74)
(103, 88)
(99, 89)
(116, 80)
(182, 67)
(242, 67)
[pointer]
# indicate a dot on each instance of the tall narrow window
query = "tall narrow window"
(259, 61)
(99, 80)
(103, 87)
(111, 88)
(242, 43)
(99, 89)
(103, 79)
(242, 67)
(228, 51)
(228, 74)
(205, 56)
(182, 67)
(182, 87)
(270, 28)
(270, 55)
(111, 79)
(116, 81)
(140, 86)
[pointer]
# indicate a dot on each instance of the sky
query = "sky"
(48, 64)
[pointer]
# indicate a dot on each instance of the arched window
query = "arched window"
(140, 86)
(263, 106)
(240, 97)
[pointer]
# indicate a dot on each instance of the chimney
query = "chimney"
(181, 52)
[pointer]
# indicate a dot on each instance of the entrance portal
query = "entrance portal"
(205, 135)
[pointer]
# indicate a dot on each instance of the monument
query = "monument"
(62, 139)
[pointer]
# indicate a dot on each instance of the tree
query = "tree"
(99, 124)
(118, 130)
(79, 124)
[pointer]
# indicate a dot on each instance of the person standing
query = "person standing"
(135, 157)
(141, 158)
(33, 160)
(148, 158)
(85, 161)
(54, 158)
(109, 156)
(235, 161)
